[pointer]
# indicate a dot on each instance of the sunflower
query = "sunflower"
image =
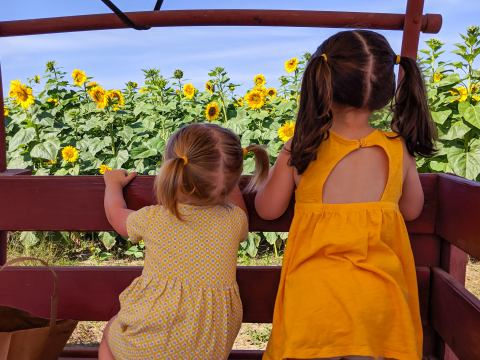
(21, 93)
(115, 98)
(212, 111)
(291, 64)
(259, 80)
(79, 77)
(255, 99)
(52, 101)
(36, 79)
(285, 132)
(189, 90)
(5, 112)
(461, 93)
(91, 84)
(143, 90)
(70, 154)
(272, 92)
(209, 87)
(102, 169)
(437, 77)
(239, 102)
(474, 87)
(98, 94)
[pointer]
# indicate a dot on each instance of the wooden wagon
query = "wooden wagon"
(440, 237)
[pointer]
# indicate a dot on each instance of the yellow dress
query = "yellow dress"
(186, 303)
(348, 284)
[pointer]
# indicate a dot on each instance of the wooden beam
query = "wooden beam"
(75, 203)
(430, 23)
(459, 213)
(455, 315)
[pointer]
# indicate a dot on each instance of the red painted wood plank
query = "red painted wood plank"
(430, 23)
(459, 213)
(76, 203)
(91, 293)
(455, 315)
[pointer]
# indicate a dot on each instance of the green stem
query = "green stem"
(275, 249)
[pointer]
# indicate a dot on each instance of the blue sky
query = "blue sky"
(113, 57)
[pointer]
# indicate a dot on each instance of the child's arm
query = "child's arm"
(115, 207)
(411, 202)
(274, 196)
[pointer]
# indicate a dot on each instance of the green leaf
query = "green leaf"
(122, 158)
(22, 137)
(47, 150)
(438, 166)
(271, 237)
(252, 243)
(29, 239)
(472, 115)
(465, 163)
(457, 130)
(440, 116)
(107, 239)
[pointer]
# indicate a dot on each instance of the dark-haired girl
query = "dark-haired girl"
(348, 287)
(186, 304)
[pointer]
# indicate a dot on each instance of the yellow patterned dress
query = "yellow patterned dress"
(186, 304)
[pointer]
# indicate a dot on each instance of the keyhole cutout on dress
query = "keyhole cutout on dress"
(360, 176)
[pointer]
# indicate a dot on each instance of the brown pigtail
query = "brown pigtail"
(314, 114)
(262, 165)
(411, 115)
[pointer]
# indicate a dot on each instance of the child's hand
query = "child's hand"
(118, 178)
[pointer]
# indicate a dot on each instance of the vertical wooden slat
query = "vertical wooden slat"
(3, 247)
(3, 145)
(412, 28)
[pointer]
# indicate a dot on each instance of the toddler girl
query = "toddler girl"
(186, 303)
(348, 286)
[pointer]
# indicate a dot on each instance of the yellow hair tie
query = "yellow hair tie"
(397, 59)
(184, 158)
(324, 56)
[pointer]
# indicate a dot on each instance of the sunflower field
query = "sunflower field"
(63, 123)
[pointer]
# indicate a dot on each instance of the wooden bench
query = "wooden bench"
(450, 314)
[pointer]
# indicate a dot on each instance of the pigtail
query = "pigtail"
(411, 115)
(167, 183)
(314, 117)
(262, 165)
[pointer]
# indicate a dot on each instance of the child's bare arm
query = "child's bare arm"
(274, 195)
(115, 207)
(411, 202)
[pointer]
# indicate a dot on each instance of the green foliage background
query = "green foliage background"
(134, 137)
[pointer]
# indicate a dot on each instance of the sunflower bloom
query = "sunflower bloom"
(115, 98)
(36, 79)
(476, 97)
(255, 99)
(98, 94)
(291, 64)
(79, 77)
(209, 87)
(437, 77)
(189, 90)
(21, 93)
(52, 101)
(212, 111)
(272, 92)
(285, 132)
(102, 169)
(474, 88)
(259, 80)
(143, 90)
(91, 84)
(239, 102)
(70, 154)
(461, 93)
(5, 112)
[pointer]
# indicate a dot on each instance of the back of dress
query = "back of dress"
(348, 283)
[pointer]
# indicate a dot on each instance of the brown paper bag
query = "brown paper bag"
(25, 337)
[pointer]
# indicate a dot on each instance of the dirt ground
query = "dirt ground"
(251, 336)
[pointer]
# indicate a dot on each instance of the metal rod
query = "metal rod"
(125, 19)
(158, 5)
(3, 125)
(430, 23)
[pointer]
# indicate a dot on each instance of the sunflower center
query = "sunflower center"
(212, 111)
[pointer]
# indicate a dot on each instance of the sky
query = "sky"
(114, 57)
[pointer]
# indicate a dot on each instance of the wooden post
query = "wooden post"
(3, 142)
